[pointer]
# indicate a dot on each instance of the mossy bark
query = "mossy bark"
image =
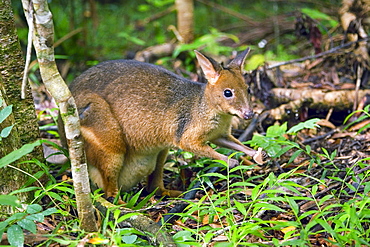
(23, 118)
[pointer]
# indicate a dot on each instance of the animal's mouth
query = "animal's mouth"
(245, 114)
(248, 115)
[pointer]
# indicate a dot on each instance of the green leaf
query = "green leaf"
(324, 199)
(27, 224)
(256, 192)
(6, 131)
(144, 201)
(255, 61)
(267, 206)
(326, 153)
(316, 14)
(314, 189)
(130, 239)
(134, 199)
(295, 155)
(37, 217)
(9, 200)
(55, 196)
(181, 237)
(126, 216)
(19, 153)
(213, 174)
(240, 207)
(276, 130)
(309, 124)
(3, 225)
(49, 211)
(15, 236)
(293, 205)
(4, 113)
(16, 216)
(308, 149)
(307, 213)
(242, 184)
(34, 208)
(131, 38)
(65, 188)
(327, 227)
(187, 155)
(24, 190)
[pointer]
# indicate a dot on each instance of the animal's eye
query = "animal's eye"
(228, 93)
(249, 90)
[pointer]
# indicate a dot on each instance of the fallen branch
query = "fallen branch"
(322, 54)
(157, 51)
(314, 99)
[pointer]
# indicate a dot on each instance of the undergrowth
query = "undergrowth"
(292, 208)
(236, 206)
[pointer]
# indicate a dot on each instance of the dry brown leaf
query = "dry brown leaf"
(359, 125)
(326, 123)
(258, 157)
(220, 238)
(295, 84)
(344, 134)
(347, 86)
(215, 226)
(179, 223)
(288, 229)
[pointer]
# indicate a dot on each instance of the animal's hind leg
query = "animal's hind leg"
(155, 180)
(104, 142)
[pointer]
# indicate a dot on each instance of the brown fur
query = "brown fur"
(133, 112)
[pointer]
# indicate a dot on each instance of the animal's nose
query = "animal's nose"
(248, 114)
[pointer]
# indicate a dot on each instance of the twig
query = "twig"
(29, 50)
(358, 83)
(309, 140)
(362, 170)
(67, 36)
(317, 55)
(247, 134)
(228, 11)
(158, 15)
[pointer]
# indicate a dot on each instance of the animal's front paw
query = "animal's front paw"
(260, 156)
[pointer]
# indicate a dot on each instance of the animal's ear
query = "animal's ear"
(238, 61)
(210, 67)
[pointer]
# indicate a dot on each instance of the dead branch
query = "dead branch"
(150, 53)
(314, 99)
(322, 54)
(156, 16)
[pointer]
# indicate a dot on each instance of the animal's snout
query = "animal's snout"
(248, 114)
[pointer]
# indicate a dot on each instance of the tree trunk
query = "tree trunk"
(39, 16)
(185, 20)
(23, 118)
